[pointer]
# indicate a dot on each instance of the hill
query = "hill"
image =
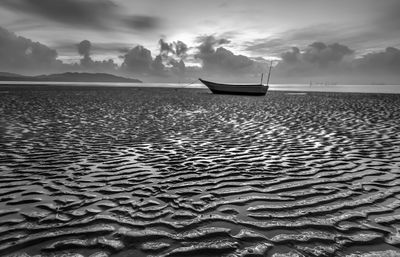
(68, 77)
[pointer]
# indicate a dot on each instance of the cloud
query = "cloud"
(87, 64)
(221, 60)
(157, 66)
(317, 56)
(291, 56)
(94, 14)
(177, 49)
(166, 48)
(180, 49)
(178, 68)
(387, 61)
(84, 47)
(172, 54)
(336, 62)
(266, 46)
(123, 50)
(22, 54)
(323, 55)
(90, 65)
(138, 60)
(142, 22)
(84, 50)
(208, 44)
(317, 61)
(354, 36)
(73, 12)
(377, 32)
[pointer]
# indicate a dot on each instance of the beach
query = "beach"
(112, 171)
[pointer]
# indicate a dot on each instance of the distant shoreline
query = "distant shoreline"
(67, 77)
(372, 89)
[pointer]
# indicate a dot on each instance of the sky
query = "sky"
(221, 35)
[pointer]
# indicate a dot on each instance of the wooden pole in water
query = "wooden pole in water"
(269, 73)
(262, 76)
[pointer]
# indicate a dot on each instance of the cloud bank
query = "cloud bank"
(316, 58)
(92, 14)
(72, 12)
(24, 55)
(333, 62)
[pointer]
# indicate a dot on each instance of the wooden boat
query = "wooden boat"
(238, 89)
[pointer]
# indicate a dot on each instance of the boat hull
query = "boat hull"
(236, 89)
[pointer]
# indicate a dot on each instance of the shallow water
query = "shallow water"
(178, 172)
(386, 89)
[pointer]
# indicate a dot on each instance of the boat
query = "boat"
(238, 89)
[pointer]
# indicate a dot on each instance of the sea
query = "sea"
(386, 89)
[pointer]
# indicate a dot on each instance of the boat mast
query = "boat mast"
(262, 76)
(269, 73)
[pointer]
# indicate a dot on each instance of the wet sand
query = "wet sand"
(181, 172)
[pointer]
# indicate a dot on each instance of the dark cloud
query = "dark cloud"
(142, 22)
(123, 50)
(165, 48)
(84, 47)
(209, 43)
(97, 48)
(172, 54)
(178, 68)
(387, 61)
(157, 66)
(317, 61)
(88, 64)
(317, 55)
(221, 60)
(97, 14)
(73, 12)
(138, 60)
(336, 62)
(22, 54)
(111, 47)
(177, 49)
(298, 65)
(84, 50)
(291, 56)
(180, 48)
(323, 55)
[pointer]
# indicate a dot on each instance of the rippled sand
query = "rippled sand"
(179, 172)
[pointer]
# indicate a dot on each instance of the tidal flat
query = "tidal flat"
(102, 171)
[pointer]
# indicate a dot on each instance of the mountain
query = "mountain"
(68, 77)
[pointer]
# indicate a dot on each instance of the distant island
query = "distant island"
(68, 77)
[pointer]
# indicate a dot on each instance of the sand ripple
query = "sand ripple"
(148, 172)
